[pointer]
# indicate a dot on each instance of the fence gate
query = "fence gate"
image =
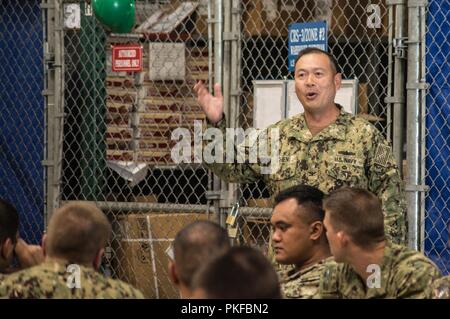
(115, 145)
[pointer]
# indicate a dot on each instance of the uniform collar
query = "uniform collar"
(295, 272)
(336, 130)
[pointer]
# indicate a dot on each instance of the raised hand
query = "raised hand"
(211, 105)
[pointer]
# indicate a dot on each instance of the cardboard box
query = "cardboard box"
(272, 17)
(141, 256)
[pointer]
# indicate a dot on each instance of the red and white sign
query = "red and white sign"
(127, 58)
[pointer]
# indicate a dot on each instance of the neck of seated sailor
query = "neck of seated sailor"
(361, 257)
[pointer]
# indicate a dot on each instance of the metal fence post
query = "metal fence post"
(218, 184)
(399, 84)
(49, 21)
(414, 87)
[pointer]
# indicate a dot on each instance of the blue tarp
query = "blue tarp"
(21, 112)
(437, 222)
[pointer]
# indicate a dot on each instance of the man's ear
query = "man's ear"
(5, 247)
(338, 80)
(98, 258)
(173, 273)
(315, 230)
(43, 244)
(343, 238)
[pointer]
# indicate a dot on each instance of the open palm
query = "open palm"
(211, 105)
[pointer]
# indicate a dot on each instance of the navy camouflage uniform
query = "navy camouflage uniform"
(349, 152)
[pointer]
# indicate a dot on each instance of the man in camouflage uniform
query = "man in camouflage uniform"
(324, 147)
(440, 289)
(369, 266)
(11, 244)
(299, 239)
(74, 245)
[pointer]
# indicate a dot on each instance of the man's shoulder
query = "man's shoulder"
(115, 288)
(440, 289)
(405, 257)
(359, 125)
(35, 282)
(287, 123)
(25, 275)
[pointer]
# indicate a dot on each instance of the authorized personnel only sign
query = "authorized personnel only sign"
(305, 35)
(127, 58)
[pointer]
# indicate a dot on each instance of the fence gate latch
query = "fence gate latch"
(399, 45)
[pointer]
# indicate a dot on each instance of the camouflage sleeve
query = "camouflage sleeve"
(329, 282)
(414, 279)
(440, 289)
(384, 180)
(235, 169)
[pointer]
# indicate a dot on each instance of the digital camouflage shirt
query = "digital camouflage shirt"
(56, 280)
(349, 152)
(404, 273)
(303, 284)
(440, 289)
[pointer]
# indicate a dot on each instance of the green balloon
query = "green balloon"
(116, 15)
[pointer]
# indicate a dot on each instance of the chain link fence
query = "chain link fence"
(436, 117)
(22, 113)
(118, 128)
(115, 144)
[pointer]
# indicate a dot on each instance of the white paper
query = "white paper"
(130, 171)
(268, 103)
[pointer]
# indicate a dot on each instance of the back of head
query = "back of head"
(358, 212)
(309, 197)
(9, 221)
(195, 244)
(241, 273)
(76, 233)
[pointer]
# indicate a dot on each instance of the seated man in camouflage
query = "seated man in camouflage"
(73, 248)
(11, 244)
(193, 246)
(299, 239)
(370, 266)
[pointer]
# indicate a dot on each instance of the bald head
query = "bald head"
(77, 232)
(195, 244)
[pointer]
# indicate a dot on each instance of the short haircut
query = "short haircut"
(9, 221)
(195, 244)
(310, 198)
(358, 212)
(240, 273)
(76, 232)
(333, 62)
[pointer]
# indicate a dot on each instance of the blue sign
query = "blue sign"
(305, 35)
